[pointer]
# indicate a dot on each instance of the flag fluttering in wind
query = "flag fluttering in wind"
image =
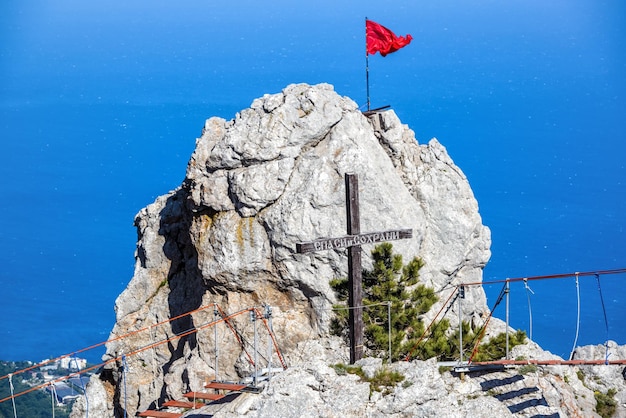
(380, 39)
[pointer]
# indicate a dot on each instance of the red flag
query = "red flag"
(380, 39)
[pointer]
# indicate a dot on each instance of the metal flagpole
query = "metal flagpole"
(367, 68)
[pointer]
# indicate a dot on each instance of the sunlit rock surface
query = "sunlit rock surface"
(255, 186)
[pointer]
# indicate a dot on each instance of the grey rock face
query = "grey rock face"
(605, 378)
(311, 388)
(257, 185)
(314, 389)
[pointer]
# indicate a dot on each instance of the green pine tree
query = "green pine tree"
(389, 281)
(495, 348)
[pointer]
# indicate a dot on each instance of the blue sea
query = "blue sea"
(101, 102)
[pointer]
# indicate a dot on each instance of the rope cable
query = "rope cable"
(52, 396)
(12, 394)
(132, 353)
(451, 304)
(273, 337)
(571, 356)
(238, 336)
(305, 344)
(82, 386)
(606, 322)
(408, 356)
(215, 342)
(547, 277)
(154, 368)
(483, 329)
(480, 283)
(119, 337)
(186, 364)
(530, 309)
(124, 366)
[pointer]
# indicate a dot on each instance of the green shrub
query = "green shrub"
(444, 369)
(382, 381)
(605, 403)
(444, 345)
(385, 379)
(342, 369)
(527, 369)
(495, 348)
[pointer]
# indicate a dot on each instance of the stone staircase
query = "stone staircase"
(519, 393)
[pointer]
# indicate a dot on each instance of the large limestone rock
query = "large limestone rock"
(255, 186)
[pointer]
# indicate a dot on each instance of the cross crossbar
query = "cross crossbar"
(351, 240)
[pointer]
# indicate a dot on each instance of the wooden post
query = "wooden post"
(355, 285)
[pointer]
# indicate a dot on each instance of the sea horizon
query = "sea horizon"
(100, 106)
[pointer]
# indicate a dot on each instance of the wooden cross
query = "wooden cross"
(353, 242)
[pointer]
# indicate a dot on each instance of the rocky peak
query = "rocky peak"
(255, 186)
